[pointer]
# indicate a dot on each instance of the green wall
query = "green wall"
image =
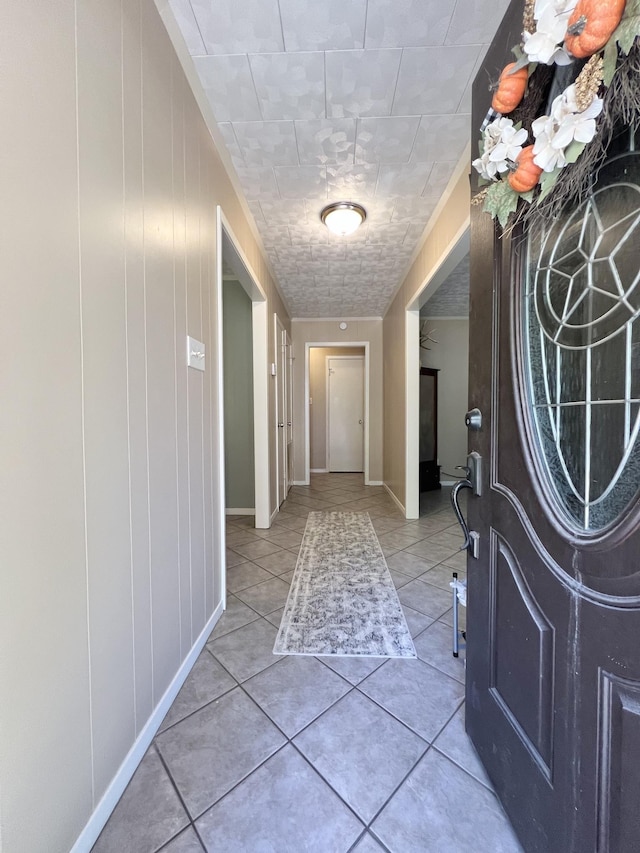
(238, 397)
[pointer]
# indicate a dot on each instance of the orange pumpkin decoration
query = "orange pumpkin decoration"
(510, 89)
(591, 25)
(525, 175)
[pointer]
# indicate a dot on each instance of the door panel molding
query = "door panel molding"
(618, 749)
(526, 641)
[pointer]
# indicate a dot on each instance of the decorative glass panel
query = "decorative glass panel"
(582, 333)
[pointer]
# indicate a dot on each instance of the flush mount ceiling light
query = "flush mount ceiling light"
(343, 217)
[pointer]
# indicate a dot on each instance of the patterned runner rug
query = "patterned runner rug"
(342, 600)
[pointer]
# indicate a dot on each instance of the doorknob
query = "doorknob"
(281, 425)
(288, 423)
(360, 421)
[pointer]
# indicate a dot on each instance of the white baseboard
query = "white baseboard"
(239, 510)
(319, 471)
(395, 500)
(374, 483)
(107, 804)
(448, 482)
(299, 483)
(273, 515)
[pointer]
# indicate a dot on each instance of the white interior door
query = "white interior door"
(345, 413)
(281, 408)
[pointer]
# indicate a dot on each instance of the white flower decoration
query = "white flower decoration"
(554, 133)
(545, 45)
(502, 144)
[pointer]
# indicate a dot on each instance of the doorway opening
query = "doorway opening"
(246, 307)
(283, 360)
(436, 339)
(337, 407)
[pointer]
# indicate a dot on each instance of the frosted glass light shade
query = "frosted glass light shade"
(343, 217)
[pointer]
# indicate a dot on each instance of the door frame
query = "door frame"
(327, 464)
(226, 240)
(280, 359)
(449, 260)
(307, 420)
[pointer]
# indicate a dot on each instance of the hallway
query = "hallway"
(262, 753)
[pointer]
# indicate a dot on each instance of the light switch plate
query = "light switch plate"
(195, 354)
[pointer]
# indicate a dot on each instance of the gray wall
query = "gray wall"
(238, 397)
(451, 356)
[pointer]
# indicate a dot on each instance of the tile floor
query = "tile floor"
(264, 753)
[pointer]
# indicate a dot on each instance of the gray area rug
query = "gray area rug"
(342, 600)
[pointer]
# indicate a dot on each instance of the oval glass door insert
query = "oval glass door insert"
(582, 343)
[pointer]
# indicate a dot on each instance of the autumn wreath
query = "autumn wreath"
(575, 79)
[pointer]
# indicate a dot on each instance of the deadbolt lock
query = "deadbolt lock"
(473, 419)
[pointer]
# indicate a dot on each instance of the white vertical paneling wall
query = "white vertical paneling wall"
(109, 498)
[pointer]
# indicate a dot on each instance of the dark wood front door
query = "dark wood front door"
(553, 669)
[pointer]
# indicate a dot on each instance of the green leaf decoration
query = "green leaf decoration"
(629, 27)
(547, 181)
(481, 146)
(574, 150)
(517, 52)
(610, 60)
(528, 196)
(501, 201)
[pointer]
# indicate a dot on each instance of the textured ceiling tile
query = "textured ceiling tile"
(338, 252)
(408, 179)
(231, 143)
(441, 138)
(267, 143)
(385, 140)
(447, 70)
(412, 208)
(273, 235)
(392, 234)
(348, 267)
(279, 212)
(291, 253)
(258, 183)
(311, 232)
(229, 87)
(317, 267)
(451, 299)
(439, 178)
(256, 211)
(332, 281)
(239, 26)
(289, 85)
(465, 102)
(407, 23)
(326, 141)
(476, 21)
(367, 253)
(379, 212)
(361, 82)
(185, 18)
(302, 181)
(327, 25)
(352, 183)
(414, 233)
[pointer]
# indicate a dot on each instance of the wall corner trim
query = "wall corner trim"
(240, 510)
(396, 500)
(374, 483)
(109, 800)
